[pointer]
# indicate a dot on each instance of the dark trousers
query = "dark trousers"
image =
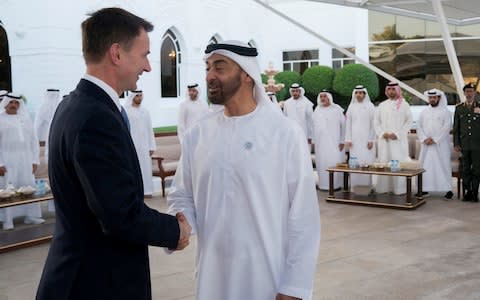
(471, 170)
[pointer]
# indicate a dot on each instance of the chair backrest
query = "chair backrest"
(168, 147)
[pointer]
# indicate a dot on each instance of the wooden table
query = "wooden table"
(382, 200)
(29, 235)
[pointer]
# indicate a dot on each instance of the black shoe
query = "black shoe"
(474, 198)
(467, 197)
(448, 195)
(424, 194)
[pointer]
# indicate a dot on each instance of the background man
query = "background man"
(191, 110)
(299, 109)
(143, 137)
(393, 120)
(19, 158)
(433, 130)
(466, 138)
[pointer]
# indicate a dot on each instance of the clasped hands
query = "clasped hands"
(390, 136)
(429, 141)
(185, 232)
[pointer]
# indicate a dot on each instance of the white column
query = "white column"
(451, 53)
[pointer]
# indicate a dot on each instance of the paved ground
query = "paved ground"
(366, 253)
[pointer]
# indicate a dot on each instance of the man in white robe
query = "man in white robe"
(433, 130)
(19, 158)
(392, 122)
(191, 110)
(299, 109)
(245, 183)
(360, 134)
(45, 113)
(328, 137)
(43, 119)
(143, 137)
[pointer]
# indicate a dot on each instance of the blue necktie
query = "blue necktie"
(125, 117)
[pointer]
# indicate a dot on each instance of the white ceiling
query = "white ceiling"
(457, 12)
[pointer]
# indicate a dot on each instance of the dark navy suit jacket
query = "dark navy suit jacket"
(103, 227)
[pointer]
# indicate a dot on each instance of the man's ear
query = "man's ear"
(246, 78)
(114, 53)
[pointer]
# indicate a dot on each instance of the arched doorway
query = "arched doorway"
(5, 67)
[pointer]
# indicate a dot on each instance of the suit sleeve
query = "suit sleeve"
(109, 181)
(456, 128)
(348, 125)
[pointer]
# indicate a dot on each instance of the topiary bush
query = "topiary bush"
(352, 75)
(264, 78)
(287, 78)
(317, 78)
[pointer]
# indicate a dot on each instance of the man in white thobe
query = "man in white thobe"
(43, 119)
(45, 113)
(433, 129)
(19, 158)
(143, 137)
(245, 183)
(191, 110)
(360, 134)
(328, 137)
(299, 109)
(392, 122)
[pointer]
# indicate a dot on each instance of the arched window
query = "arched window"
(170, 60)
(5, 66)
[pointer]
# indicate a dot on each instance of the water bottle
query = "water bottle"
(353, 162)
(394, 165)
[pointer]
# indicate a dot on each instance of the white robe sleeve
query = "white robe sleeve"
(341, 117)
(407, 124)
(377, 123)
(34, 146)
(152, 146)
(181, 121)
(372, 135)
(303, 227)
(420, 129)
(180, 197)
(2, 162)
(444, 130)
(348, 125)
(309, 119)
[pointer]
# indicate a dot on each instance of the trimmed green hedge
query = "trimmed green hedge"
(351, 75)
(317, 78)
(166, 129)
(287, 78)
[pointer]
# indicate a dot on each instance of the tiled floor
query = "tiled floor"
(366, 253)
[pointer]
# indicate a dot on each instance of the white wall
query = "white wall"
(45, 39)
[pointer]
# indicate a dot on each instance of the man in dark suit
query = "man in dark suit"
(103, 228)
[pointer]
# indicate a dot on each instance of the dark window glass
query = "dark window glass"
(168, 68)
(300, 55)
(286, 67)
(424, 65)
(5, 67)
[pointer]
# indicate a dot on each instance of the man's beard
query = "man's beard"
(225, 89)
(434, 104)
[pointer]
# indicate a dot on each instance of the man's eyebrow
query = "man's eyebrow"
(218, 61)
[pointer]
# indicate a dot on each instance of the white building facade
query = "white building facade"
(44, 41)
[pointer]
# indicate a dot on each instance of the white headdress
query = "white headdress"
(245, 56)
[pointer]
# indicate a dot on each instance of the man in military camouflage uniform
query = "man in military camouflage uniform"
(466, 138)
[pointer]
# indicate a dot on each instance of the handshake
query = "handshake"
(185, 232)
